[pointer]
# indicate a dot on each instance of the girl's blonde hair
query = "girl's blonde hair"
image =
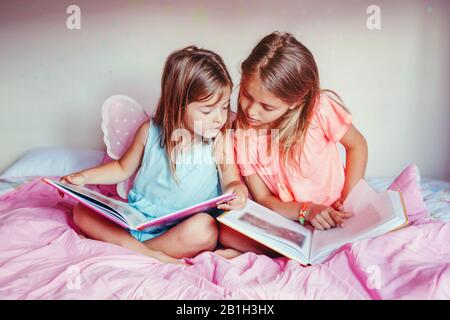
(288, 70)
(190, 75)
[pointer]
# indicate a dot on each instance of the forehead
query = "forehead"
(219, 97)
(254, 86)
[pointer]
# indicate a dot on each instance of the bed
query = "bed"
(42, 256)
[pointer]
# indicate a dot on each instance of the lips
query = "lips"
(251, 120)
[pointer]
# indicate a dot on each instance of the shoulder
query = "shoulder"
(328, 107)
(142, 132)
(330, 101)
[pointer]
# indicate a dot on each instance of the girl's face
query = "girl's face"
(261, 108)
(206, 118)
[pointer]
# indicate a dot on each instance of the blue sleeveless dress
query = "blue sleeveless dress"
(156, 192)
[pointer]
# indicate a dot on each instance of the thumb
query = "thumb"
(337, 205)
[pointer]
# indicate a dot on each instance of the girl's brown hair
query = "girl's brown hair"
(190, 74)
(288, 70)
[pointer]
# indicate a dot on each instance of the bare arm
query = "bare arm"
(229, 173)
(263, 196)
(356, 158)
(320, 216)
(117, 170)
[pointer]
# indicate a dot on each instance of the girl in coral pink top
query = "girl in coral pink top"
(287, 130)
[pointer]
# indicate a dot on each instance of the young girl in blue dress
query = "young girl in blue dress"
(181, 155)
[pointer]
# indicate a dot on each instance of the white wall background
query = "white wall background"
(395, 81)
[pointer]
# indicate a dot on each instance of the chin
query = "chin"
(258, 125)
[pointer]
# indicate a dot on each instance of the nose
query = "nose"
(252, 110)
(219, 117)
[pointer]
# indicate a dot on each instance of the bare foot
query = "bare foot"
(228, 253)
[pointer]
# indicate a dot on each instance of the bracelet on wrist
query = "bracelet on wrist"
(303, 211)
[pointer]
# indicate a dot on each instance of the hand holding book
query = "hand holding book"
(239, 201)
(323, 217)
(77, 179)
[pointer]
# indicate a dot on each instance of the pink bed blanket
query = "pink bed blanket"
(42, 257)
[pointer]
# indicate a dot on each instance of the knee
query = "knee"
(201, 232)
(79, 215)
(224, 235)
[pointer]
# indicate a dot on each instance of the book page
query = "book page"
(373, 215)
(359, 197)
(271, 229)
(118, 210)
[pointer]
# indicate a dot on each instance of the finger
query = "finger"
(66, 180)
(322, 222)
(76, 179)
(316, 225)
(344, 215)
(337, 218)
(339, 206)
(328, 218)
(235, 201)
(224, 206)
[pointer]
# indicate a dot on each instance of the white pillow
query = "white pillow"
(53, 161)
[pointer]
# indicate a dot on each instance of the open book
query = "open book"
(126, 216)
(374, 214)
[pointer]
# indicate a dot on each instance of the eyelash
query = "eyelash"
(208, 112)
(264, 106)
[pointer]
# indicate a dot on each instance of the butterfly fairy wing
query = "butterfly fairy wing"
(121, 118)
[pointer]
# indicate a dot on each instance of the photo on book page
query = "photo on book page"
(271, 229)
(294, 237)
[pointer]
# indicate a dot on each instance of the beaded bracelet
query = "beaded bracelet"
(303, 211)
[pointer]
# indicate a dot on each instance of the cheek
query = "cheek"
(243, 102)
(270, 116)
(194, 120)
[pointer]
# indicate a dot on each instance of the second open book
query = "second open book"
(374, 214)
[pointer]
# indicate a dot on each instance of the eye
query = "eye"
(206, 112)
(267, 108)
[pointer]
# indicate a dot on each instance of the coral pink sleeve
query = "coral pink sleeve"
(333, 118)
